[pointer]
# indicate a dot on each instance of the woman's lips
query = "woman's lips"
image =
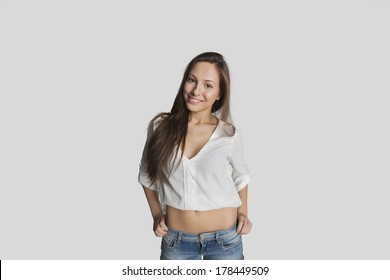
(194, 100)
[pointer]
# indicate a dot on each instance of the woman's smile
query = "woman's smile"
(193, 100)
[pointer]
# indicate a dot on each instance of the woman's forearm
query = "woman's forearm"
(243, 209)
(244, 224)
(153, 201)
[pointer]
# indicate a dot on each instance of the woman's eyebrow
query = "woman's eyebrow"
(207, 80)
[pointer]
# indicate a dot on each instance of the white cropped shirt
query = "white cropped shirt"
(209, 180)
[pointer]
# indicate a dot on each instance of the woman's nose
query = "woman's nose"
(197, 90)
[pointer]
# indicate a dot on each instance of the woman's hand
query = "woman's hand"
(159, 227)
(244, 225)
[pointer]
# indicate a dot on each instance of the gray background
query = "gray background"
(79, 81)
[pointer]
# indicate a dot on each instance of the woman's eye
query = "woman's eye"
(209, 86)
(191, 80)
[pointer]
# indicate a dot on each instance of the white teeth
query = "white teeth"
(193, 100)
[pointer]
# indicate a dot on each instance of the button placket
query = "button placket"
(192, 185)
(185, 183)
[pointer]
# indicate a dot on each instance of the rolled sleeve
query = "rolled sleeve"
(240, 172)
(143, 177)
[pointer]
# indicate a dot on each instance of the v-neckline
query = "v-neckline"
(208, 140)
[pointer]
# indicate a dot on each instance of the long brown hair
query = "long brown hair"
(171, 130)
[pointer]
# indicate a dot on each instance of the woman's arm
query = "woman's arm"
(244, 225)
(159, 226)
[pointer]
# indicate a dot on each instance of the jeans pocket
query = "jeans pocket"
(169, 240)
(230, 241)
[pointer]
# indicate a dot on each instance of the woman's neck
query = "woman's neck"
(198, 118)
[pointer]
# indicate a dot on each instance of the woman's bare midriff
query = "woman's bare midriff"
(200, 221)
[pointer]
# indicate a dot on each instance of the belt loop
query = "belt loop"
(179, 236)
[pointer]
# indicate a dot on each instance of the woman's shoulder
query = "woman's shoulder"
(157, 120)
(227, 128)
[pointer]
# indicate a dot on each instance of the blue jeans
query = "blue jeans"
(217, 245)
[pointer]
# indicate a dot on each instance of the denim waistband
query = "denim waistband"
(205, 235)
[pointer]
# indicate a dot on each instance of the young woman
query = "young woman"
(193, 170)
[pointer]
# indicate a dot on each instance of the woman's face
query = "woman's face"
(201, 88)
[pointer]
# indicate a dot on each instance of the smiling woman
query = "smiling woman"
(201, 88)
(193, 170)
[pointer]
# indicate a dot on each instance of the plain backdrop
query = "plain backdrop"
(80, 80)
